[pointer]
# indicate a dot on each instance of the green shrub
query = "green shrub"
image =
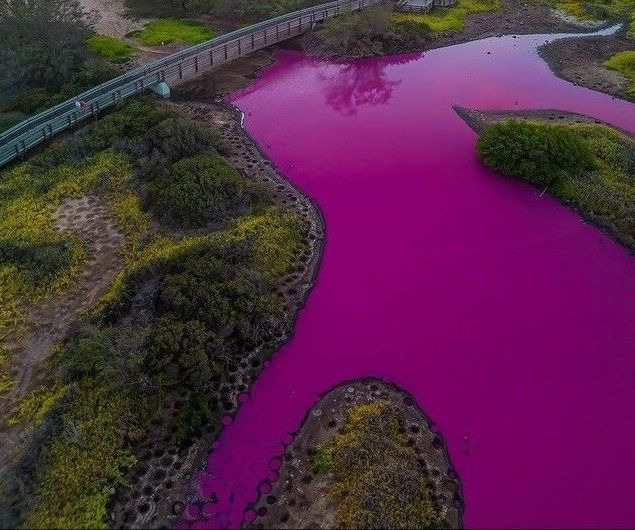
(366, 33)
(201, 411)
(200, 189)
(166, 30)
(624, 62)
(39, 261)
(537, 152)
(110, 48)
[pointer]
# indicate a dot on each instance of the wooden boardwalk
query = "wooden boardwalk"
(160, 74)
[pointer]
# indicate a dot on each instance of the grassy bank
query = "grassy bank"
(624, 62)
(594, 9)
(446, 19)
(591, 167)
(199, 292)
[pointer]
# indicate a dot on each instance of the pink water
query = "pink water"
(510, 320)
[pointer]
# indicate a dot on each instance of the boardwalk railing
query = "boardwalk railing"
(186, 64)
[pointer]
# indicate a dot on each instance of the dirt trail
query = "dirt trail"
(50, 322)
(111, 17)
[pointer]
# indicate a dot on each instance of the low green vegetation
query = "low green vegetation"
(173, 327)
(115, 50)
(446, 19)
(375, 477)
(167, 30)
(594, 9)
(373, 31)
(591, 166)
(201, 189)
(624, 62)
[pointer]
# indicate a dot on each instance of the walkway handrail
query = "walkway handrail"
(41, 127)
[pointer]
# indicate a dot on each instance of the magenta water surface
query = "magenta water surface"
(508, 318)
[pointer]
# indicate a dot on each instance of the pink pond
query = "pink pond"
(509, 319)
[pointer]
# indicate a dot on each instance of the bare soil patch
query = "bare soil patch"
(111, 17)
(580, 61)
(515, 17)
(51, 321)
(300, 497)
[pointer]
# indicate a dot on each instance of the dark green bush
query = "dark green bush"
(537, 152)
(39, 261)
(199, 412)
(202, 189)
(366, 33)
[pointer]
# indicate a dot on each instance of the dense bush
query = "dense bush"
(241, 9)
(375, 477)
(373, 31)
(200, 189)
(39, 261)
(537, 152)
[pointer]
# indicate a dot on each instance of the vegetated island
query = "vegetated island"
(365, 457)
(587, 164)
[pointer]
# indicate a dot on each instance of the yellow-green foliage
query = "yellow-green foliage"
(131, 220)
(29, 198)
(85, 462)
(375, 477)
(594, 9)
(166, 30)
(6, 382)
(37, 404)
(444, 19)
(624, 62)
(277, 235)
(113, 49)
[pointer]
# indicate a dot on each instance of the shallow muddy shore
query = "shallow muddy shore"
(580, 61)
(300, 498)
(162, 482)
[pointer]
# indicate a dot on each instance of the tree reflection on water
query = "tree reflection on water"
(350, 85)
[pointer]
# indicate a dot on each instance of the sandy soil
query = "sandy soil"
(111, 17)
(299, 498)
(50, 322)
(478, 120)
(580, 61)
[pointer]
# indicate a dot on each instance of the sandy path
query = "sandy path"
(111, 17)
(50, 322)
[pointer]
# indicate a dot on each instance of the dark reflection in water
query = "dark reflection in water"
(351, 85)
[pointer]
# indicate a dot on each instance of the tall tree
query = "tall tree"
(43, 42)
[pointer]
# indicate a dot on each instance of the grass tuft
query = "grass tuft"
(167, 30)
(115, 50)
(624, 62)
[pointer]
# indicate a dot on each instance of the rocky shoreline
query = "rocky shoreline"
(300, 498)
(165, 483)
